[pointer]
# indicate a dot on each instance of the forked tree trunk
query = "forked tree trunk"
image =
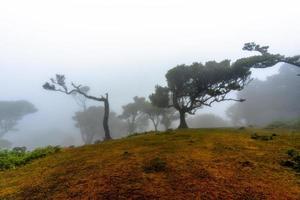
(183, 123)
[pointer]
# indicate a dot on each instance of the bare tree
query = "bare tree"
(58, 84)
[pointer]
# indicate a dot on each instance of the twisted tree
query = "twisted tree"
(193, 86)
(265, 59)
(58, 84)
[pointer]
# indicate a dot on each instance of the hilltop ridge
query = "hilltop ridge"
(182, 164)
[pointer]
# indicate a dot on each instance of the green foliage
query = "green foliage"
(10, 159)
(265, 59)
(161, 97)
(192, 86)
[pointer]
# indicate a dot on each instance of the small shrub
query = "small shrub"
(10, 159)
(291, 152)
(294, 161)
(155, 165)
(255, 136)
(126, 154)
(20, 150)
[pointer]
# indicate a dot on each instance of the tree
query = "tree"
(133, 114)
(276, 98)
(58, 84)
(265, 59)
(11, 112)
(91, 130)
(154, 113)
(168, 116)
(197, 85)
(157, 115)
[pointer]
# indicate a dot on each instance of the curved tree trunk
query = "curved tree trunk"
(105, 119)
(183, 123)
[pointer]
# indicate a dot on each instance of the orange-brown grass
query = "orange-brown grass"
(200, 164)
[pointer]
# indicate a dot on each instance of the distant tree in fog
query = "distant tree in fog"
(81, 100)
(91, 130)
(140, 112)
(207, 121)
(157, 115)
(276, 98)
(58, 84)
(134, 116)
(11, 112)
(153, 113)
(169, 115)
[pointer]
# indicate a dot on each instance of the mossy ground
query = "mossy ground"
(197, 164)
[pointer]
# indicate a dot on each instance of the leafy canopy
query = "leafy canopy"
(196, 85)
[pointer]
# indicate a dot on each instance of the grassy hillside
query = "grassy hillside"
(186, 164)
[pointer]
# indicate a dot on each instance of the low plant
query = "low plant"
(293, 161)
(18, 156)
(155, 165)
(255, 136)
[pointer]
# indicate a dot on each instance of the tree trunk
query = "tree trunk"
(105, 119)
(183, 123)
(155, 127)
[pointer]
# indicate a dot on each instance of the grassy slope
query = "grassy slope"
(201, 164)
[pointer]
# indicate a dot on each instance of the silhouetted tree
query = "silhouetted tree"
(13, 111)
(91, 130)
(276, 98)
(265, 59)
(133, 114)
(190, 87)
(197, 85)
(58, 84)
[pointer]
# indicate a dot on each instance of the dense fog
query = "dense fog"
(127, 55)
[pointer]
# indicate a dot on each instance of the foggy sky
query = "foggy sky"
(124, 48)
